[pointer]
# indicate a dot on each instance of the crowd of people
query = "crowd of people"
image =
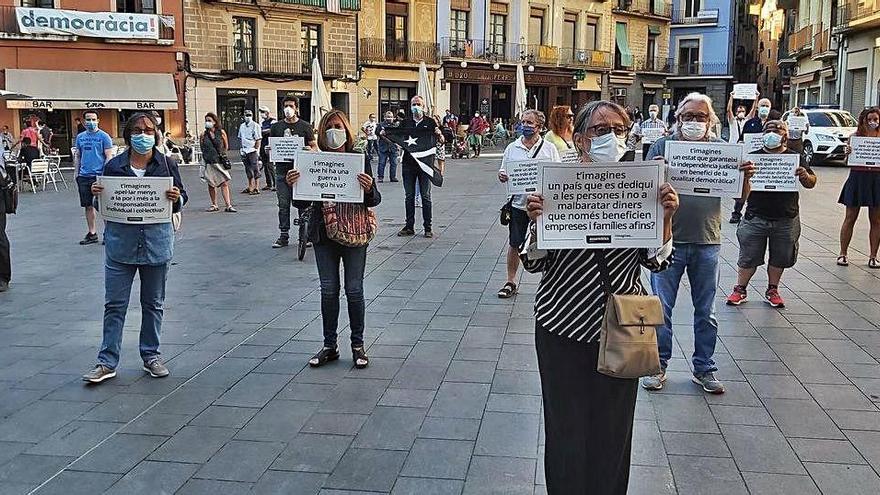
(581, 456)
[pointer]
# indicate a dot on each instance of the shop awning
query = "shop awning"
(803, 78)
(81, 90)
(626, 57)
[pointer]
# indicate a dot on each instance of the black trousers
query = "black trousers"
(5, 260)
(588, 419)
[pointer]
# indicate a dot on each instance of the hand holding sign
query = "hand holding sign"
(329, 177)
(284, 149)
(704, 168)
(521, 176)
(136, 200)
(864, 152)
(776, 172)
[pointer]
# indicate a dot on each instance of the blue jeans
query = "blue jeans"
(412, 177)
(390, 157)
(285, 200)
(369, 150)
(701, 263)
(118, 278)
(327, 256)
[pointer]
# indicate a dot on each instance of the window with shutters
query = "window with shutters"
(569, 30)
(592, 35)
(136, 6)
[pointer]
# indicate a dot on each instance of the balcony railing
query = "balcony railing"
(656, 64)
(343, 4)
(384, 50)
(278, 61)
(800, 41)
(9, 26)
(708, 16)
(701, 69)
(573, 57)
(821, 42)
(484, 50)
(541, 54)
(658, 8)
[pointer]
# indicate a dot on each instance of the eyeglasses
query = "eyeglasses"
(570, 116)
(695, 117)
(602, 129)
(148, 131)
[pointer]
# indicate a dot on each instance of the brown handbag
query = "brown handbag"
(628, 340)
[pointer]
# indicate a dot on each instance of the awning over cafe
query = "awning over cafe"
(81, 90)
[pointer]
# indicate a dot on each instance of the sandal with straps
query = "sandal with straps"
(872, 263)
(842, 261)
(507, 291)
(359, 357)
(324, 356)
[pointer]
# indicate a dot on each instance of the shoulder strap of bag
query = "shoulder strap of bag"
(538, 149)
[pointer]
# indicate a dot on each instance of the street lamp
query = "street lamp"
(496, 66)
(531, 68)
(463, 64)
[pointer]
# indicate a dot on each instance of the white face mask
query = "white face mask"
(772, 140)
(289, 112)
(740, 115)
(763, 112)
(607, 148)
(336, 138)
(693, 131)
(653, 114)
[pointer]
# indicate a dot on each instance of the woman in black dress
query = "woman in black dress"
(862, 188)
(588, 416)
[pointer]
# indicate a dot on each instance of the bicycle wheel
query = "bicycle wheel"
(303, 243)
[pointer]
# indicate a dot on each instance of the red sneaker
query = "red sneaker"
(773, 298)
(738, 296)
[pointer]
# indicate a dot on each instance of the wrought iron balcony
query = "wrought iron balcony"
(800, 42)
(484, 50)
(573, 57)
(857, 14)
(343, 4)
(276, 61)
(377, 50)
(9, 29)
(700, 69)
(661, 65)
(652, 8)
(540, 54)
(706, 16)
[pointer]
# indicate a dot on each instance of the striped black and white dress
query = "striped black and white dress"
(571, 298)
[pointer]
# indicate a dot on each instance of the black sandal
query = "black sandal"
(842, 261)
(324, 356)
(507, 291)
(872, 263)
(359, 357)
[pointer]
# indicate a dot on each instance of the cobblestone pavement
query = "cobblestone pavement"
(451, 401)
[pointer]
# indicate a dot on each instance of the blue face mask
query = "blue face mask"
(142, 143)
(772, 140)
(526, 131)
(416, 110)
(91, 125)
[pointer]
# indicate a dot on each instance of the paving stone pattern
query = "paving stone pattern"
(451, 401)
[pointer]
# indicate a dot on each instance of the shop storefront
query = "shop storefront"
(231, 104)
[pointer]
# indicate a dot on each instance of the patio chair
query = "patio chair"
(55, 170)
(38, 171)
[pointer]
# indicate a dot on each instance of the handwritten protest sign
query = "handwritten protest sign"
(797, 123)
(865, 152)
(705, 169)
(284, 149)
(775, 172)
(745, 91)
(570, 156)
(651, 134)
(137, 200)
(522, 176)
(752, 141)
(603, 205)
(329, 177)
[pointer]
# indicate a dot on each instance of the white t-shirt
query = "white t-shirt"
(249, 134)
(736, 126)
(517, 151)
(370, 128)
(140, 172)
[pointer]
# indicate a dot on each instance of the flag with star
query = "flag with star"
(419, 148)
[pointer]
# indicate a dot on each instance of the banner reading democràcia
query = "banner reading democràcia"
(135, 200)
(775, 171)
(329, 177)
(865, 152)
(601, 205)
(705, 169)
(89, 24)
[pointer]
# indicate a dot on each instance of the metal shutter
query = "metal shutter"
(859, 89)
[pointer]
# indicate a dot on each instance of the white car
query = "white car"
(828, 134)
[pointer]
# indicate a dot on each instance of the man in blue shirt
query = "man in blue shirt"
(93, 149)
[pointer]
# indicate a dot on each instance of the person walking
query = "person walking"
(653, 122)
(862, 189)
(413, 176)
(291, 125)
(46, 136)
(250, 137)
(387, 150)
(266, 122)
(335, 135)
(696, 230)
(752, 126)
(774, 218)
(476, 127)
(588, 416)
(145, 249)
(214, 144)
(530, 146)
(369, 128)
(561, 131)
(93, 149)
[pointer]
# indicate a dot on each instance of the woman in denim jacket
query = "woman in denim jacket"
(137, 248)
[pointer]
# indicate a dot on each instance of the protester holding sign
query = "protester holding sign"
(145, 249)
(291, 125)
(696, 229)
(862, 188)
(754, 125)
(341, 232)
(737, 120)
(774, 218)
(652, 129)
(214, 145)
(798, 125)
(588, 415)
(530, 146)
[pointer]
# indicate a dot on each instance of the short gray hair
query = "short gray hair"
(417, 96)
(539, 115)
(586, 114)
(700, 98)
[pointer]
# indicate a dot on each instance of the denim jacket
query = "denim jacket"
(149, 244)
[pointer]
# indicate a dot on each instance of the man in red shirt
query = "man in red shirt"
(476, 128)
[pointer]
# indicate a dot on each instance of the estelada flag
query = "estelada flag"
(419, 148)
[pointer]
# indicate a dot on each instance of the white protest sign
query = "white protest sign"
(522, 176)
(651, 134)
(797, 123)
(705, 169)
(752, 141)
(329, 177)
(138, 200)
(775, 172)
(570, 156)
(865, 152)
(745, 91)
(284, 149)
(601, 205)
